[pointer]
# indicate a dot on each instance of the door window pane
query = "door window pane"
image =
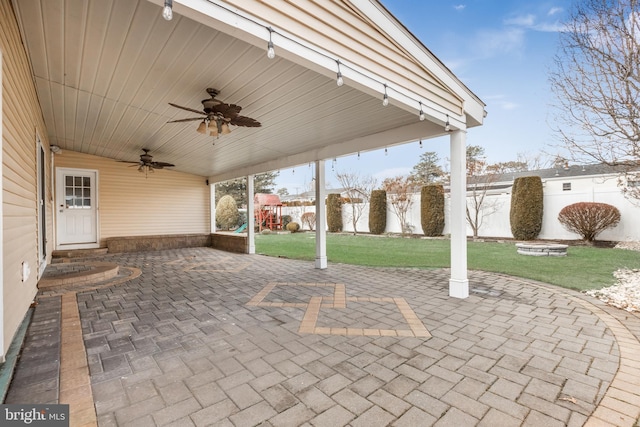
(77, 192)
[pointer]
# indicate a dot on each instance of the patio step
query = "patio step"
(77, 253)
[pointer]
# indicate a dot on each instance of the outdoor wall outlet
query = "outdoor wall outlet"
(26, 271)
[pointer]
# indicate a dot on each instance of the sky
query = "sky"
(503, 51)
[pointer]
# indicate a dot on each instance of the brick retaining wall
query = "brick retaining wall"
(230, 242)
(156, 243)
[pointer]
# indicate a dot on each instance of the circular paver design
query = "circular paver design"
(74, 273)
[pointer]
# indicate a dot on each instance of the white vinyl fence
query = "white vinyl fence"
(497, 223)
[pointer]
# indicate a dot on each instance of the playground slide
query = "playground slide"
(241, 228)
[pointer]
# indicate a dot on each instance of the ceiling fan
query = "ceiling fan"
(146, 163)
(216, 116)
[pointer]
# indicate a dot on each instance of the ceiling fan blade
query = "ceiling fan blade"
(126, 161)
(227, 110)
(160, 165)
(192, 119)
(188, 109)
(245, 121)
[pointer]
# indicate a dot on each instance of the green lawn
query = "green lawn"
(584, 267)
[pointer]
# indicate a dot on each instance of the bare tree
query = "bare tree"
(597, 83)
(399, 193)
(357, 188)
(534, 161)
(480, 179)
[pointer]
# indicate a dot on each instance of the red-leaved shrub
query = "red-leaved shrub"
(589, 219)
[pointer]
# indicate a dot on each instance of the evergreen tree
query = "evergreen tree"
(237, 188)
(427, 170)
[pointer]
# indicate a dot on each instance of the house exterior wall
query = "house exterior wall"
(22, 122)
(164, 202)
(601, 189)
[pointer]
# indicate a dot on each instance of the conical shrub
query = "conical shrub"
(526, 207)
(432, 210)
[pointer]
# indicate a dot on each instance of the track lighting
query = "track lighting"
(271, 52)
(167, 11)
(167, 14)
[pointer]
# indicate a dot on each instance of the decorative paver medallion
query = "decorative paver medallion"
(314, 322)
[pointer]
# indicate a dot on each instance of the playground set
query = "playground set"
(268, 211)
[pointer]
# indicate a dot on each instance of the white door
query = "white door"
(76, 208)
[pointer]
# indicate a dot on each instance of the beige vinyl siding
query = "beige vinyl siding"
(130, 204)
(21, 120)
(338, 28)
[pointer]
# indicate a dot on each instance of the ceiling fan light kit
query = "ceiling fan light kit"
(146, 164)
(216, 116)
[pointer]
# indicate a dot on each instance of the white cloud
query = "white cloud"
(459, 6)
(501, 102)
(529, 22)
(521, 21)
(550, 27)
(490, 43)
(554, 10)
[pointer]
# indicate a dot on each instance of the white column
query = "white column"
(321, 217)
(212, 206)
(458, 283)
(251, 235)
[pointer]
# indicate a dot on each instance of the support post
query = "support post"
(458, 282)
(212, 206)
(251, 235)
(321, 217)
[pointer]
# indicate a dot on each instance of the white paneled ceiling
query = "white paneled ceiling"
(105, 71)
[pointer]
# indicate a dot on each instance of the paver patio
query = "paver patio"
(203, 337)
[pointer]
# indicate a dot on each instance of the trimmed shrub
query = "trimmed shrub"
(526, 207)
(309, 219)
(378, 212)
(286, 219)
(334, 213)
(293, 226)
(432, 210)
(589, 219)
(227, 212)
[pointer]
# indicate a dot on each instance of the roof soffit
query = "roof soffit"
(346, 33)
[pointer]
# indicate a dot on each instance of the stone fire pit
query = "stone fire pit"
(542, 249)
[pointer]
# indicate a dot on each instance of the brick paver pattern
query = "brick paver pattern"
(204, 337)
